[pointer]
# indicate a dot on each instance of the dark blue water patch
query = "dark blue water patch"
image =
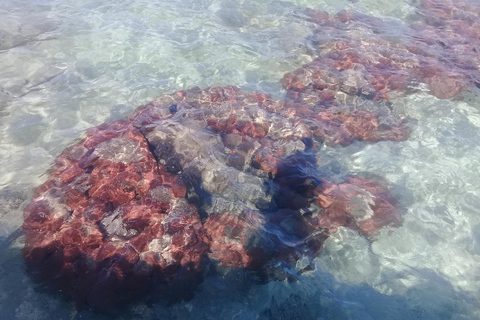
(316, 295)
(173, 108)
(298, 174)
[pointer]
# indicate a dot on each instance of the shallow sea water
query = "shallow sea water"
(66, 66)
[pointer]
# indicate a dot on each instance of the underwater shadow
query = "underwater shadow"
(317, 295)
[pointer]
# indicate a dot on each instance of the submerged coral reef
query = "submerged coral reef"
(364, 56)
(200, 175)
(228, 178)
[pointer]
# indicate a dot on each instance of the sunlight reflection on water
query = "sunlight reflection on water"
(69, 65)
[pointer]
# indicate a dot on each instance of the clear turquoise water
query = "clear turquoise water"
(66, 66)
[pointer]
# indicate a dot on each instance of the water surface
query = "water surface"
(69, 65)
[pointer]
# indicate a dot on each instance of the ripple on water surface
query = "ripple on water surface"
(68, 66)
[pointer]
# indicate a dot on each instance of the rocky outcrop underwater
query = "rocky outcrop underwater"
(223, 178)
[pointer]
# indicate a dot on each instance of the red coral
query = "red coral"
(440, 49)
(358, 203)
(119, 214)
(227, 235)
(103, 213)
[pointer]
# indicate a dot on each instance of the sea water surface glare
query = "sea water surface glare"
(67, 66)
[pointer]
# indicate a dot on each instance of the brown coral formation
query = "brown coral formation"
(363, 56)
(340, 124)
(357, 203)
(139, 205)
(109, 217)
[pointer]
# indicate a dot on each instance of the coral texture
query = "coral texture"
(364, 56)
(225, 176)
(200, 175)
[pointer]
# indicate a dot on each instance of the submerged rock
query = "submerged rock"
(363, 57)
(140, 206)
(99, 229)
(225, 178)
